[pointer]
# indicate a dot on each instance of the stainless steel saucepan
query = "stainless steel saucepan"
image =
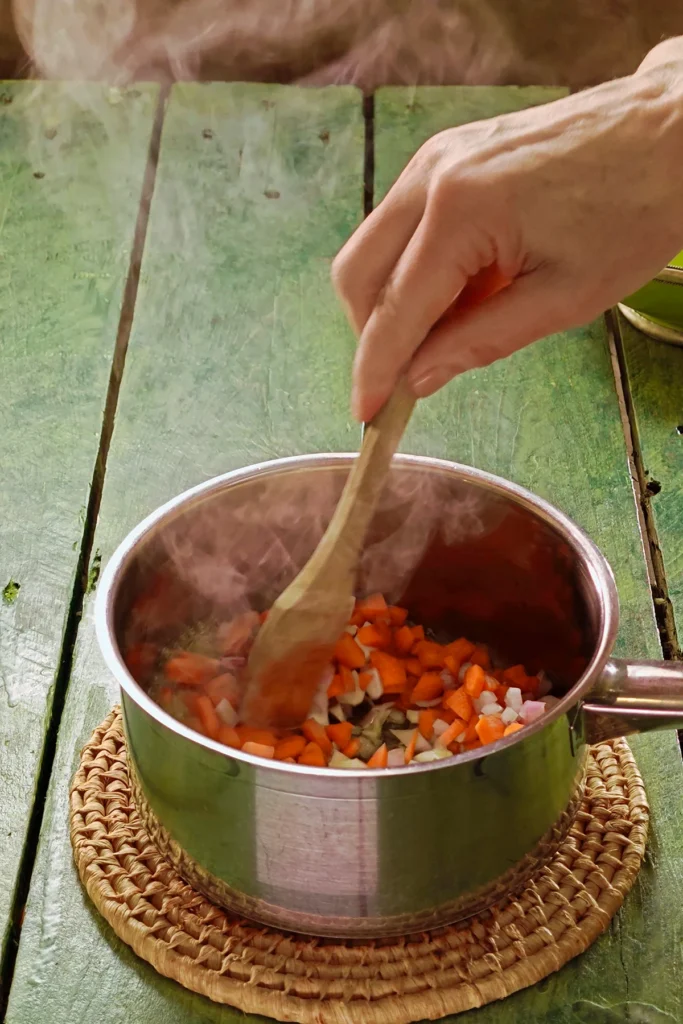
(360, 853)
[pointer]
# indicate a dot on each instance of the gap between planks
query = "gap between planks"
(653, 555)
(86, 574)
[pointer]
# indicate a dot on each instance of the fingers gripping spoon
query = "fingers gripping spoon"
(295, 643)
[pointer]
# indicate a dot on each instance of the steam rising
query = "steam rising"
(237, 552)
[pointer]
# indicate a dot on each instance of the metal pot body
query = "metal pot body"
(359, 854)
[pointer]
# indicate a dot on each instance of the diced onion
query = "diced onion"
(226, 712)
(531, 710)
(432, 755)
(374, 689)
(513, 698)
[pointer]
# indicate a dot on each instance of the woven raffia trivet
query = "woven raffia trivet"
(315, 981)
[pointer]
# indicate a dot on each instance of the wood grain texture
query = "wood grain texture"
(238, 352)
(655, 373)
(71, 167)
(548, 418)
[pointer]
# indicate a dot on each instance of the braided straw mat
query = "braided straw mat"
(315, 981)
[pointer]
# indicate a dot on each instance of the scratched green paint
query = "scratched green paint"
(199, 330)
(71, 166)
(238, 352)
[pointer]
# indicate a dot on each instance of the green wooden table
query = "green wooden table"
(166, 315)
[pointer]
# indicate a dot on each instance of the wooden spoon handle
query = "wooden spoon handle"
(346, 532)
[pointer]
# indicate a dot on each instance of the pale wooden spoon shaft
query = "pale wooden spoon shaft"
(348, 527)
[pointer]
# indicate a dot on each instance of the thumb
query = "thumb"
(528, 309)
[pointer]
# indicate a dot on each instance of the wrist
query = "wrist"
(658, 87)
(670, 52)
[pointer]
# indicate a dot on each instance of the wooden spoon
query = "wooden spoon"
(294, 646)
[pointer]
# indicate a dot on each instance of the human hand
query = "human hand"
(576, 203)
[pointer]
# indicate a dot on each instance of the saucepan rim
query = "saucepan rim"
(589, 554)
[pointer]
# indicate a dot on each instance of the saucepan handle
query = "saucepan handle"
(634, 696)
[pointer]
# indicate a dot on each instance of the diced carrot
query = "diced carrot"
(258, 749)
(460, 702)
(336, 687)
(512, 728)
(418, 632)
(249, 735)
(472, 744)
(358, 618)
(392, 671)
(430, 654)
(348, 653)
(397, 616)
(516, 676)
(446, 714)
(316, 733)
(364, 679)
(340, 734)
(140, 659)
(425, 722)
(224, 687)
(352, 749)
(195, 723)
(228, 736)
(455, 729)
(235, 636)
(480, 656)
(404, 640)
(290, 746)
(206, 712)
(452, 664)
(460, 649)
(410, 749)
(429, 687)
(289, 760)
(190, 669)
(189, 699)
(475, 680)
(532, 685)
(489, 729)
(348, 682)
(379, 758)
(471, 733)
(405, 700)
(371, 606)
(500, 692)
(413, 667)
(375, 634)
(312, 755)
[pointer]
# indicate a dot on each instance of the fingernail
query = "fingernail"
(431, 381)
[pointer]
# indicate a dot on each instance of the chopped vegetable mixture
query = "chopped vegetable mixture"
(392, 696)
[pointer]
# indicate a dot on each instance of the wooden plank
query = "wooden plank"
(495, 419)
(239, 352)
(72, 161)
(654, 374)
